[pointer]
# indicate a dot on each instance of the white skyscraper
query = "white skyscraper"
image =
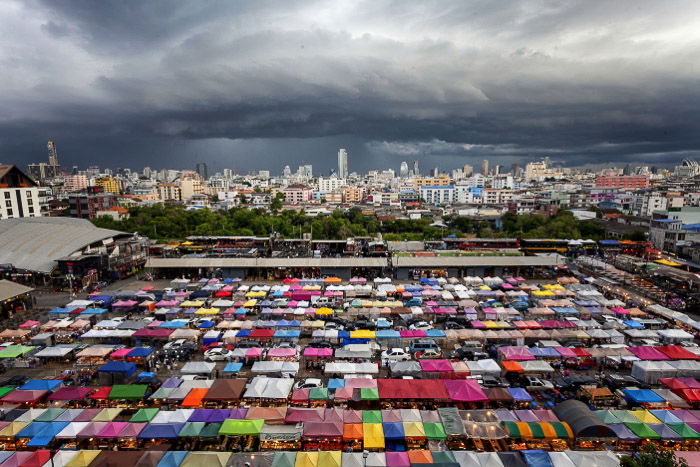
(342, 163)
(403, 171)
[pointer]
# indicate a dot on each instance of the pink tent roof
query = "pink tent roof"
(112, 430)
(29, 324)
(121, 303)
(412, 334)
(254, 352)
(152, 332)
(360, 383)
(690, 382)
(323, 429)
(281, 353)
(312, 352)
(465, 390)
(70, 394)
(344, 393)
(121, 353)
(566, 352)
(518, 353)
(439, 365)
(166, 303)
(296, 415)
(648, 353)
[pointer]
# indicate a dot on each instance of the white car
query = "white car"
(308, 383)
(421, 326)
(217, 354)
(396, 355)
(174, 344)
(536, 384)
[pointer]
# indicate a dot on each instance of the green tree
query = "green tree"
(652, 455)
(276, 203)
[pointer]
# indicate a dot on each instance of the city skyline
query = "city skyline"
(247, 86)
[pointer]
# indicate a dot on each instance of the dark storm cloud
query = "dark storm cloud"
(263, 84)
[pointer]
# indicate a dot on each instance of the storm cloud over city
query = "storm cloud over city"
(255, 85)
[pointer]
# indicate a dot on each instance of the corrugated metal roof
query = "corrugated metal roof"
(35, 243)
(9, 289)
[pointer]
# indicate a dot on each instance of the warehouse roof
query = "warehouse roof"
(35, 243)
(9, 289)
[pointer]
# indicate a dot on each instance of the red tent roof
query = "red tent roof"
(70, 394)
(102, 393)
(412, 389)
(261, 333)
(691, 395)
(465, 390)
(676, 352)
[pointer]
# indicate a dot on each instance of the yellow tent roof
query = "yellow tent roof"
(13, 428)
(362, 334)
(250, 303)
(191, 304)
(206, 459)
(374, 435)
(329, 458)
(207, 311)
(324, 311)
(484, 287)
(83, 458)
(645, 416)
(543, 293)
(666, 262)
(413, 430)
(107, 415)
(491, 324)
(306, 459)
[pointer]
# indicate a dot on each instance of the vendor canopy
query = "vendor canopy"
(583, 422)
(226, 390)
(412, 389)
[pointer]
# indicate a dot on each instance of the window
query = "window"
(9, 213)
(8, 204)
(7, 195)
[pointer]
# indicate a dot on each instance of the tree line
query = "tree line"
(174, 222)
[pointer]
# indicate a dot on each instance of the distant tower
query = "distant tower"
(342, 163)
(416, 172)
(485, 167)
(286, 172)
(403, 171)
(53, 154)
(201, 169)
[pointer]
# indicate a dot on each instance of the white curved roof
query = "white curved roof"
(35, 243)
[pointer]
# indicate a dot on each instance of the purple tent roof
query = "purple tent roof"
(87, 415)
(238, 414)
(92, 429)
(112, 430)
(296, 415)
(161, 430)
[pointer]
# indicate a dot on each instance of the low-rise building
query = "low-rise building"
(19, 195)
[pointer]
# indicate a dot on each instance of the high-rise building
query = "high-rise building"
(201, 169)
(228, 174)
(53, 153)
(403, 171)
(485, 167)
(287, 171)
(515, 170)
(416, 170)
(342, 163)
(468, 170)
(436, 172)
(305, 171)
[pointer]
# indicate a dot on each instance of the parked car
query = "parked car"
(421, 345)
(533, 383)
(396, 354)
(421, 326)
(489, 381)
(217, 354)
(308, 383)
(248, 344)
(429, 354)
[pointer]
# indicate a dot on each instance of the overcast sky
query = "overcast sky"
(261, 84)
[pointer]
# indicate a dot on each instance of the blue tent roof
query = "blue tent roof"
(287, 333)
(243, 333)
(643, 396)
(609, 242)
(146, 374)
(536, 458)
(393, 430)
(335, 383)
(343, 334)
(173, 324)
(161, 430)
(105, 299)
(140, 352)
(387, 334)
(565, 310)
(233, 367)
(118, 367)
(544, 352)
(61, 311)
(41, 384)
(520, 394)
(634, 324)
(94, 311)
(172, 459)
(206, 324)
(435, 333)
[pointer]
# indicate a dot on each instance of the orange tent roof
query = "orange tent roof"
(510, 365)
(353, 431)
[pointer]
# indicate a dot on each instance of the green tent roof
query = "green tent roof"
(49, 415)
(5, 391)
(144, 415)
(210, 430)
(607, 416)
(560, 429)
(162, 393)
(371, 416)
(241, 427)
(14, 351)
(191, 429)
(443, 457)
(127, 391)
(642, 430)
(284, 459)
(434, 430)
(684, 430)
(318, 394)
(369, 394)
